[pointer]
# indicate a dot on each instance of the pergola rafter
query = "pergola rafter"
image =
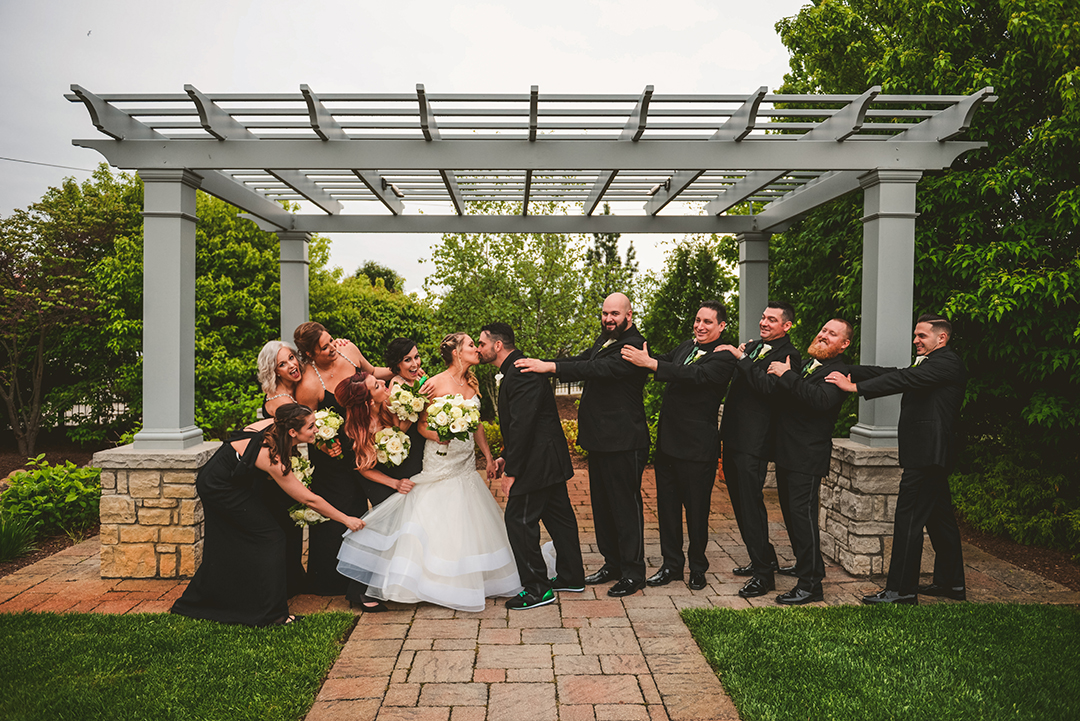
(743, 164)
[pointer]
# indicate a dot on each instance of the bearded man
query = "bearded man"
(804, 429)
(612, 428)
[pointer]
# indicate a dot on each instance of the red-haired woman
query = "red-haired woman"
(242, 576)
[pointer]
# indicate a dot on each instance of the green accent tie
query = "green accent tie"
(806, 372)
(690, 358)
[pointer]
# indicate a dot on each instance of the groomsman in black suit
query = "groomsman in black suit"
(748, 433)
(688, 441)
(933, 389)
(534, 466)
(804, 430)
(612, 428)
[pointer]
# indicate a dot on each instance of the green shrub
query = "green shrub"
(494, 439)
(570, 430)
(1009, 493)
(16, 537)
(58, 499)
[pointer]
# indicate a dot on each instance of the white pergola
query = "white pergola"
(356, 161)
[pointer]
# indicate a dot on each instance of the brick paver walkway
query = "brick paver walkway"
(587, 657)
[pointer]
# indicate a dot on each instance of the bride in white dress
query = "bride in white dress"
(444, 541)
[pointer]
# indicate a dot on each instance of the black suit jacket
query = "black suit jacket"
(804, 427)
(687, 428)
(534, 446)
(750, 409)
(933, 393)
(611, 415)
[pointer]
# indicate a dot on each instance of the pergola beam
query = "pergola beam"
(328, 129)
(737, 127)
(225, 128)
(632, 131)
(430, 128)
(838, 127)
(557, 224)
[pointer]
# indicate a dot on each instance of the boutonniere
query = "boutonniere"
(762, 351)
(698, 355)
(918, 360)
(814, 365)
(608, 342)
(498, 380)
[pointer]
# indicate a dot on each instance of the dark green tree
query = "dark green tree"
(608, 273)
(376, 273)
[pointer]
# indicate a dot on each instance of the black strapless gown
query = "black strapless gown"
(377, 492)
(337, 481)
(242, 576)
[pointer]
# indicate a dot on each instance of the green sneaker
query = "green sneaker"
(557, 584)
(527, 600)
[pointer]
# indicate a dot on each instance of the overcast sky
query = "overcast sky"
(569, 46)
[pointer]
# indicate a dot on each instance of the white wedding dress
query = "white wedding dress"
(443, 542)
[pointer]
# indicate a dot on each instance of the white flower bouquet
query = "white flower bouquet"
(453, 417)
(301, 514)
(327, 423)
(392, 446)
(406, 402)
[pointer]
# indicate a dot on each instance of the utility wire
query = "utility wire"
(50, 165)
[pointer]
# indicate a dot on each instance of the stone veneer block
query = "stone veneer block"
(151, 515)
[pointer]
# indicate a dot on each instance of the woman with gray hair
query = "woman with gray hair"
(280, 371)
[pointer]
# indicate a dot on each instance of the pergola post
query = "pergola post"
(753, 280)
(887, 289)
(168, 311)
(294, 280)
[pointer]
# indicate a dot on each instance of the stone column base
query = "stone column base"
(151, 516)
(858, 503)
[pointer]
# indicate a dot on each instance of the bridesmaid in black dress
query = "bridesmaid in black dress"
(334, 477)
(279, 374)
(242, 576)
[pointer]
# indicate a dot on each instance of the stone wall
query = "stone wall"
(151, 516)
(858, 502)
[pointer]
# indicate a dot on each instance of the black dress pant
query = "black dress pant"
(745, 477)
(615, 487)
(925, 502)
(682, 484)
(799, 494)
(524, 512)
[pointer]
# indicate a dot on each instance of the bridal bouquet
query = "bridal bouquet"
(453, 418)
(392, 446)
(406, 402)
(327, 423)
(301, 514)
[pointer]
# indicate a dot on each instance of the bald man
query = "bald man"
(612, 428)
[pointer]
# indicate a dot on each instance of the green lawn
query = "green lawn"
(158, 667)
(941, 661)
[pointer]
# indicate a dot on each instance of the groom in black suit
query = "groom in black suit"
(688, 441)
(748, 432)
(933, 388)
(804, 431)
(534, 467)
(612, 428)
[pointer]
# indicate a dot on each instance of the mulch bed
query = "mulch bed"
(45, 548)
(1050, 563)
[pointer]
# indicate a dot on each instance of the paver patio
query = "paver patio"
(586, 658)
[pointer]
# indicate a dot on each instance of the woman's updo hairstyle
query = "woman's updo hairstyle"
(306, 336)
(396, 352)
(288, 417)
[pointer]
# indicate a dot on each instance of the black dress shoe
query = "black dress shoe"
(956, 593)
(798, 596)
(697, 580)
(748, 569)
(602, 576)
(887, 596)
(663, 577)
(786, 570)
(757, 586)
(625, 587)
